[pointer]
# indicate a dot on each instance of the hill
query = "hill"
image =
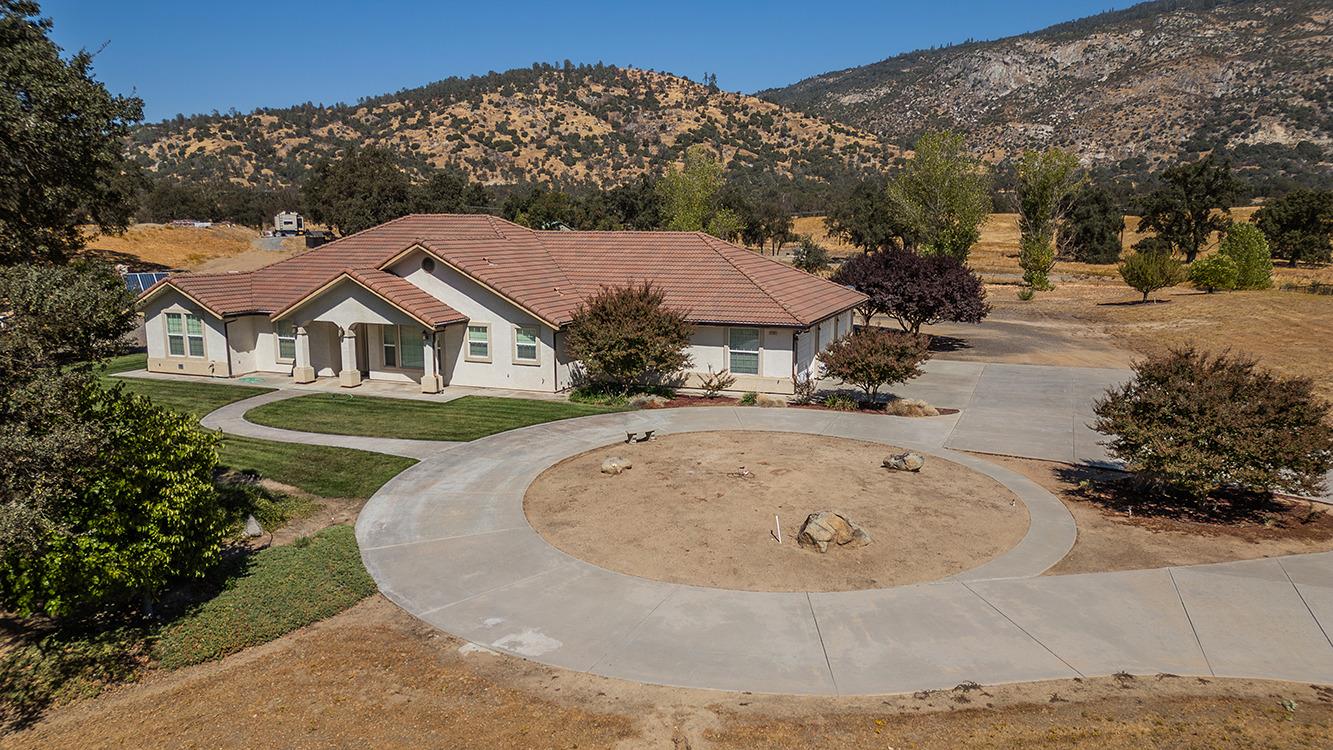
(574, 124)
(1126, 89)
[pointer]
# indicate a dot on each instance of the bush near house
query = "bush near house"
(626, 338)
(871, 358)
(1199, 427)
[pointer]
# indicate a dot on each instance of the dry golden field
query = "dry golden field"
(222, 247)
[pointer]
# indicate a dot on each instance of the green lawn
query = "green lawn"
(317, 469)
(125, 363)
(467, 418)
(196, 399)
(278, 590)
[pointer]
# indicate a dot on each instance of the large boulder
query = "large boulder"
(907, 461)
(826, 527)
(616, 465)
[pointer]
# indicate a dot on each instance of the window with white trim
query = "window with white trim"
(743, 351)
(286, 342)
(403, 347)
(478, 342)
(526, 351)
(185, 335)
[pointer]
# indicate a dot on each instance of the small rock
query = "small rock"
(770, 401)
(616, 465)
(908, 461)
(826, 527)
(252, 527)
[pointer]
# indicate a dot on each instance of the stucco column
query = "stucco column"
(349, 376)
(303, 372)
(431, 382)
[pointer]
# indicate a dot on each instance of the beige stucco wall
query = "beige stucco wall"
(215, 361)
(481, 305)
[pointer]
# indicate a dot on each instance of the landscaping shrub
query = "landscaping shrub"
(1246, 246)
(1148, 270)
(714, 383)
(283, 588)
(840, 402)
(871, 358)
(750, 398)
(1025, 294)
(147, 515)
(915, 289)
(1195, 426)
(626, 337)
(810, 256)
(804, 388)
(1213, 273)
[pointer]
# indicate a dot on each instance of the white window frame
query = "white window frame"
(185, 335)
(758, 352)
(281, 337)
(468, 356)
(536, 346)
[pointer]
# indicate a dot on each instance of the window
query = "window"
(185, 335)
(411, 348)
(403, 347)
(525, 345)
(743, 350)
(286, 342)
(478, 343)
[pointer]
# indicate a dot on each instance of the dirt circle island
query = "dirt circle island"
(698, 508)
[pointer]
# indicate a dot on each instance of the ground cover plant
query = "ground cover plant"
(462, 419)
(1207, 429)
(278, 591)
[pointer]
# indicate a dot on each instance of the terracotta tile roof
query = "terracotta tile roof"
(549, 273)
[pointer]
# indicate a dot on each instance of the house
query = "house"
(441, 299)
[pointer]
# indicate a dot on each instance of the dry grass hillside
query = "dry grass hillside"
(221, 247)
(603, 125)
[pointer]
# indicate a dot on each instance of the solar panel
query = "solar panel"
(138, 282)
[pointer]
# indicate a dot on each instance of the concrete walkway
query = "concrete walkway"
(447, 540)
(230, 419)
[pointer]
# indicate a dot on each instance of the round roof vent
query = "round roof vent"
(428, 265)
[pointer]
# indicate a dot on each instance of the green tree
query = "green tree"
(691, 197)
(941, 196)
(1091, 233)
(1192, 202)
(104, 498)
(810, 256)
(449, 191)
(62, 144)
(1047, 182)
(864, 218)
(625, 337)
(1299, 226)
(362, 189)
(1213, 273)
(1245, 245)
(1150, 267)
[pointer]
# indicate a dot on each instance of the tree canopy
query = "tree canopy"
(691, 197)
(361, 190)
(1047, 182)
(625, 337)
(1091, 233)
(914, 289)
(1192, 201)
(62, 143)
(1299, 226)
(941, 196)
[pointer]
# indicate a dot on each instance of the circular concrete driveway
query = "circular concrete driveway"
(448, 541)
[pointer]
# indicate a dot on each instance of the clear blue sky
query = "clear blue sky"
(198, 55)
